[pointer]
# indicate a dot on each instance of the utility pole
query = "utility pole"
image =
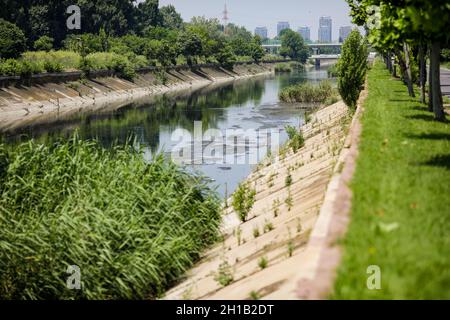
(225, 19)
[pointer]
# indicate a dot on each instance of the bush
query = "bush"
(12, 40)
(131, 227)
(123, 68)
(56, 60)
(352, 68)
(243, 200)
(10, 67)
(307, 93)
(44, 43)
(226, 57)
(296, 141)
(53, 66)
(283, 67)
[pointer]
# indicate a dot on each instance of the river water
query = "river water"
(165, 125)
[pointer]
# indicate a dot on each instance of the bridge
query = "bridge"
(324, 57)
(316, 48)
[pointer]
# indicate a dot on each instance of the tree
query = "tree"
(190, 45)
(352, 68)
(256, 51)
(44, 43)
(170, 18)
(226, 57)
(293, 46)
(405, 23)
(12, 40)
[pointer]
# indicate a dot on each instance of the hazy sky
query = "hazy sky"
(253, 13)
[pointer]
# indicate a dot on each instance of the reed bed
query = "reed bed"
(132, 227)
(309, 93)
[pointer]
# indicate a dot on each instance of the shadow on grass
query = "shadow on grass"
(442, 161)
(430, 136)
(402, 100)
(425, 117)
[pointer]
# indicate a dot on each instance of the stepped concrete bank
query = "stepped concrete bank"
(288, 234)
(51, 98)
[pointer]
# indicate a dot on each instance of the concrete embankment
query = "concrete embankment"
(280, 223)
(46, 101)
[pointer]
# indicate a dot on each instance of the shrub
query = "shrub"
(296, 142)
(256, 233)
(352, 68)
(263, 262)
(12, 40)
(131, 227)
(283, 67)
(123, 68)
(53, 66)
(10, 67)
(226, 57)
(243, 200)
(224, 276)
(44, 43)
(56, 60)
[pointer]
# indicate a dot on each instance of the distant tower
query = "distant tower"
(225, 18)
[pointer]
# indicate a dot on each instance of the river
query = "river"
(250, 104)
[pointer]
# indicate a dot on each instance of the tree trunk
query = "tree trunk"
(430, 83)
(436, 81)
(423, 72)
(408, 71)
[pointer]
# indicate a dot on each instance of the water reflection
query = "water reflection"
(245, 104)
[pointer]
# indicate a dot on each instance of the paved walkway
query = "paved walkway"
(445, 82)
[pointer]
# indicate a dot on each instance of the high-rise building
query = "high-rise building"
(305, 32)
(344, 32)
(261, 32)
(283, 25)
(325, 29)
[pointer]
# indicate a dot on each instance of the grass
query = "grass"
(132, 227)
(243, 200)
(283, 67)
(446, 64)
(309, 93)
(400, 218)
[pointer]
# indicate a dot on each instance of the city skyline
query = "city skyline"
(252, 14)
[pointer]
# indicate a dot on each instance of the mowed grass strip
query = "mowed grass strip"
(400, 217)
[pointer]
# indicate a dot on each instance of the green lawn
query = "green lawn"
(400, 218)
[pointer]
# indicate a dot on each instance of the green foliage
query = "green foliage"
(243, 200)
(254, 295)
(131, 226)
(293, 46)
(296, 142)
(190, 45)
(256, 233)
(307, 92)
(445, 54)
(12, 40)
(10, 67)
(226, 58)
(263, 262)
(170, 18)
(44, 43)
(224, 275)
(400, 190)
(256, 51)
(268, 226)
(288, 180)
(283, 67)
(352, 68)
